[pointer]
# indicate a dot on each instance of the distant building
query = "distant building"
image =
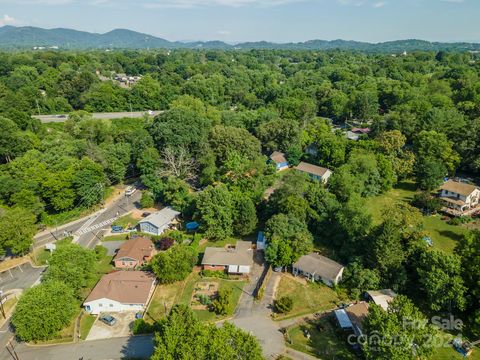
(121, 291)
(460, 198)
(134, 253)
(159, 221)
(236, 259)
(314, 172)
(280, 161)
(316, 267)
(356, 133)
(381, 297)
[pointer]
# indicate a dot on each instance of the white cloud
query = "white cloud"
(453, 1)
(227, 3)
(375, 4)
(379, 4)
(7, 20)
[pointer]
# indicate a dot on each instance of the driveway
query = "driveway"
(112, 246)
(122, 327)
(254, 316)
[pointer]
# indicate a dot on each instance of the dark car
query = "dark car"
(109, 320)
(117, 229)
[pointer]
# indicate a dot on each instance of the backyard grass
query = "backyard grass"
(447, 352)
(166, 296)
(40, 255)
(86, 324)
(326, 341)
(444, 236)
(307, 297)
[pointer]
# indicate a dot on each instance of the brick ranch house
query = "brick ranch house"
(134, 253)
(236, 259)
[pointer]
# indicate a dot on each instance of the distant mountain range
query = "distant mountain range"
(28, 37)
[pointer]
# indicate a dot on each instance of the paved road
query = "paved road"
(100, 116)
(91, 235)
(136, 347)
(90, 229)
(20, 277)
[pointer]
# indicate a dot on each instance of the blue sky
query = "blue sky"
(246, 20)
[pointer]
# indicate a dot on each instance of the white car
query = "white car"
(129, 191)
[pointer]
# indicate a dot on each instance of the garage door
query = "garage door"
(233, 269)
(244, 269)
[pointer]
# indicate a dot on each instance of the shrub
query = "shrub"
(165, 243)
(204, 299)
(284, 304)
(460, 220)
(427, 202)
(146, 200)
(214, 274)
(222, 303)
(142, 327)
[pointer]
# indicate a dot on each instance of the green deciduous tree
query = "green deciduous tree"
(43, 311)
(174, 264)
(17, 227)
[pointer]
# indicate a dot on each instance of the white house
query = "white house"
(381, 297)
(459, 198)
(236, 259)
(316, 267)
(159, 221)
(121, 291)
(314, 172)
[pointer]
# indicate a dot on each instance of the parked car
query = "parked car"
(108, 319)
(129, 191)
(117, 229)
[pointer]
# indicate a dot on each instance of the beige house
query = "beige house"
(314, 172)
(236, 259)
(381, 297)
(316, 267)
(460, 198)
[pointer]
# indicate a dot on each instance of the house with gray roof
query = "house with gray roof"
(236, 259)
(316, 267)
(159, 221)
(314, 172)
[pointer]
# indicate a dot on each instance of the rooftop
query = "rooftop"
(162, 217)
(241, 254)
(127, 287)
(314, 263)
(458, 187)
(357, 313)
(136, 249)
(311, 169)
(382, 297)
(278, 157)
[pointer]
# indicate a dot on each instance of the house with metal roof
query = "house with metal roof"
(314, 172)
(236, 259)
(316, 267)
(121, 291)
(381, 297)
(460, 198)
(159, 221)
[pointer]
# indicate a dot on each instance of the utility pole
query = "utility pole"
(1, 305)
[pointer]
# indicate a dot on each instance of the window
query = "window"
(100, 305)
(111, 305)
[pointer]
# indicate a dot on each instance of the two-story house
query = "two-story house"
(459, 198)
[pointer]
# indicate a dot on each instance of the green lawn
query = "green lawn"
(119, 237)
(126, 221)
(181, 292)
(444, 236)
(86, 324)
(447, 352)
(326, 340)
(307, 298)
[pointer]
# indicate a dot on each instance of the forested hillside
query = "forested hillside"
(206, 154)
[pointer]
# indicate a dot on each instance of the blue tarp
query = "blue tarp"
(192, 226)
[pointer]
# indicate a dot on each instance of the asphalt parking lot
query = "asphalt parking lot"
(20, 277)
(122, 327)
(112, 246)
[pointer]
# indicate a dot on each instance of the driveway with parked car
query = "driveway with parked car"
(121, 326)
